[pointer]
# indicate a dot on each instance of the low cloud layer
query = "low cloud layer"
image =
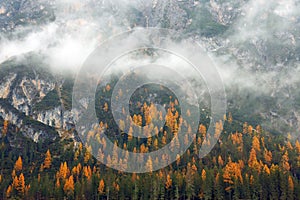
(67, 41)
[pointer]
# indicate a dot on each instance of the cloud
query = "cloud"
(35, 41)
(261, 18)
(67, 41)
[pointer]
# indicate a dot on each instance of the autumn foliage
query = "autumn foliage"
(246, 162)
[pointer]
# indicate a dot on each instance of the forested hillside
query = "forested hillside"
(246, 163)
(248, 53)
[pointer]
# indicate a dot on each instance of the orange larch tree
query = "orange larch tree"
(48, 159)
(220, 160)
(268, 156)
(149, 165)
(15, 182)
(21, 184)
(8, 191)
(69, 185)
(63, 170)
(202, 130)
(87, 171)
(253, 162)
(5, 127)
(297, 145)
(168, 183)
(256, 143)
(203, 174)
(285, 161)
(101, 187)
(19, 164)
(232, 173)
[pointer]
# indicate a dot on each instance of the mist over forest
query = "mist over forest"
(253, 46)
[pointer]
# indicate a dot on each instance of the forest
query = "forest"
(248, 162)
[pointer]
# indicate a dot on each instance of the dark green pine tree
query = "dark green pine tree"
(283, 179)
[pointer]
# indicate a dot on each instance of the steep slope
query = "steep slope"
(30, 94)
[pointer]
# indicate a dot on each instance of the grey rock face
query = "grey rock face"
(24, 12)
(22, 90)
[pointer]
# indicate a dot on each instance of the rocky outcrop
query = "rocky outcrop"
(23, 91)
(31, 129)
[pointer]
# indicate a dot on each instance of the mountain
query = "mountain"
(255, 47)
(247, 162)
(34, 99)
(23, 13)
(257, 56)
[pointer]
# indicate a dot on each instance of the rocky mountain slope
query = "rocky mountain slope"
(34, 99)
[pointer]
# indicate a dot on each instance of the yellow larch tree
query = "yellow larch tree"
(48, 160)
(250, 129)
(220, 160)
(232, 172)
(203, 174)
(256, 143)
(5, 127)
(15, 182)
(218, 129)
(258, 129)
(87, 155)
(177, 159)
(27, 188)
(116, 186)
(267, 169)
(57, 183)
(194, 168)
(21, 184)
(262, 139)
(245, 128)
(168, 183)
(105, 107)
(202, 130)
(289, 145)
(69, 185)
(155, 144)
(237, 139)
(285, 161)
(268, 156)
(149, 165)
(101, 187)
(87, 171)
(297, 145)
(229, 119)
(115, 156)
(18, 164)
(63, 170)
(291, 183)
(8, 191)
(253, 162)
(164, 140)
